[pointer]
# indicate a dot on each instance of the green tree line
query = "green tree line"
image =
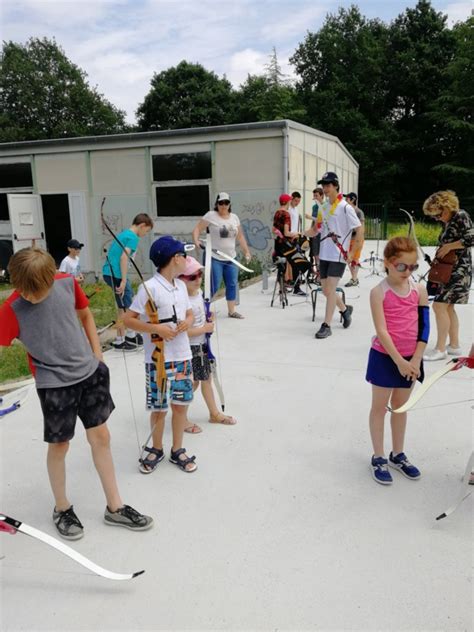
(400, 96)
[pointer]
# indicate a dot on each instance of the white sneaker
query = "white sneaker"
(435, 354)
(454, 351)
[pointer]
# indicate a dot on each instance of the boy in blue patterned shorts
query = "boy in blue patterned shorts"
(176, 316)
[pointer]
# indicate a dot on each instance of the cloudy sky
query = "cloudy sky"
(121, 43)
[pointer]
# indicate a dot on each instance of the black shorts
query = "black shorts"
(90, 399)
(201, 365)
(331, 269)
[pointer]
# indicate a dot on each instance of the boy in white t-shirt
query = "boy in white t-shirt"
(70, 264)
(336, 221)
(175, 316)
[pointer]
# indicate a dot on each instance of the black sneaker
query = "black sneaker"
(299, 292)
(129, 518)
(68, 524)
(124, 346)
(352, 283)
(135, 340)
(324, 331)
(346, 316)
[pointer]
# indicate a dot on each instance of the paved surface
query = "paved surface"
(282, 526)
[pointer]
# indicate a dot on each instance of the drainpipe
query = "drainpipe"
(285, 157)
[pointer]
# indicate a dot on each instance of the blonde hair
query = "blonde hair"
(32, 270)
(441, 201)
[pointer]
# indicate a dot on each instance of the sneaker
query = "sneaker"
(346, 316)
(324, 331)
(454, 351)
(434, 354)
(135, 340)
(68, 524)
(403, 465)
(299, 292)
(352, 283)
(380, 471)
(124, 346)
(129, 518)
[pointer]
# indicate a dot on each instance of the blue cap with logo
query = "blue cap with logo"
(329, 178)
(164, 248)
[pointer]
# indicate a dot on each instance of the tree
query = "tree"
(259, 99)
(452, 116)
(44, 95)
(420, 48)
(186, 95)
(273, 71)
(343, 86)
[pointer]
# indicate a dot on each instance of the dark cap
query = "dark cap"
(351, 196)
(329, 178)
(73, 243)
(164, 248)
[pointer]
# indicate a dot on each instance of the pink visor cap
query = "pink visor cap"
(192, 266)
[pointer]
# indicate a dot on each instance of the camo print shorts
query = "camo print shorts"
(89, 399)
(178, 385)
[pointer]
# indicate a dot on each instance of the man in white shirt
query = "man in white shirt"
(294, 212)
(336, 220)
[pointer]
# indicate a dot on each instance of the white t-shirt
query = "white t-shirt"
(166, 297)
(197, 305)
(295, 218)
(223, 233)
(70, 265)
(342, 222)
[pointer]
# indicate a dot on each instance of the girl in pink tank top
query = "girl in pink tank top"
(401, 317)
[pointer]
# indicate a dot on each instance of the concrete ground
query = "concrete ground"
(282, 526)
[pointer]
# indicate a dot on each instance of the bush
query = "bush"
(427, 234)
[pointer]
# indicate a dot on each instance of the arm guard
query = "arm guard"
(423, 323)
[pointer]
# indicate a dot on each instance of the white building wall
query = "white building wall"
(60, 173)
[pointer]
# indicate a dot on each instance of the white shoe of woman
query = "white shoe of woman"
(454, 351)
(435, 354)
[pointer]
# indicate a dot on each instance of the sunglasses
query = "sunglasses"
(403, 267)
(223, 203)
(192, 277)
(181, 254)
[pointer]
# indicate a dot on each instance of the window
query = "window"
(182, 201)
(15, 175)
(189, 166)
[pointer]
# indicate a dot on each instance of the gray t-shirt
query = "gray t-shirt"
(53, 336)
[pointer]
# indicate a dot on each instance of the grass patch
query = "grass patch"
(427, 234)
(13, 362)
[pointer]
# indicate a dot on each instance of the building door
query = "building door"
(57, 224)
(26, 217)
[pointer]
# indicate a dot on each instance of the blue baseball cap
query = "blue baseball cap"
(164, 248)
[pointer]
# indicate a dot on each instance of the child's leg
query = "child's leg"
(208, 394)
(56, 462)
(190, 427)
(380, 397)
(398, 421)
(99, 440)
(178, 420)
(157, 424)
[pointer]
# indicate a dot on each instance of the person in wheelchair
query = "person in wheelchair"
(289, 245)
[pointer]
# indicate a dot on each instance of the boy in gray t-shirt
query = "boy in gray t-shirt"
(46, 312)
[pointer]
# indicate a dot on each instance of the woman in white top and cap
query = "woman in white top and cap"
(225, 229)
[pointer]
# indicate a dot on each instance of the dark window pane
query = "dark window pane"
(182, 166)
(16, 175)
(182, 201)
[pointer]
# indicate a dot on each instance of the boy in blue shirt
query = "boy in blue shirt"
(114, 272)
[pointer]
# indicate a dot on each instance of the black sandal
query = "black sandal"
(147, 465)
(181, 463)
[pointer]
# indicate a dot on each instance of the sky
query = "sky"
(120, 44)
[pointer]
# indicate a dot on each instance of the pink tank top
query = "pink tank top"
(401, 316)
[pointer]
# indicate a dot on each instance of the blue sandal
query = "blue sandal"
(182, 463)
(147, 465)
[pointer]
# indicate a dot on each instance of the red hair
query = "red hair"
(398, 245)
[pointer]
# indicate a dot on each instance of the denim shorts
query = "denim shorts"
(178, 385)
(123, 300)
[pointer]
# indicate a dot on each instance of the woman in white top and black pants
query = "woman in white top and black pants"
(224, 227)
